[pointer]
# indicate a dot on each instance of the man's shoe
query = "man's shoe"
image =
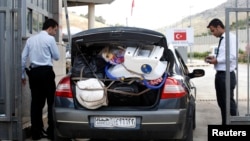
(44, 134)
(36, 137)
(50, 133)
(51, 137)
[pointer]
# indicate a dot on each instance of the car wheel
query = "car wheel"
(189, 136)
(193, 108)
(194, 119)
(57, 138)
(191, 122)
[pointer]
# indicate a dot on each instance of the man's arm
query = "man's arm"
(25, 54)
(54, 50)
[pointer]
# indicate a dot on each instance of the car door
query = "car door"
(185, 71)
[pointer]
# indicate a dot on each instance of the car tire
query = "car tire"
(193, 107)
(57, 138)
(194, 120)
(190, 122)
(189, 136)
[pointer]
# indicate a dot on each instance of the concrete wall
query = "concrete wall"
(203, 44)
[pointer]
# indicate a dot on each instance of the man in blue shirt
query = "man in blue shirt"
(40, 50)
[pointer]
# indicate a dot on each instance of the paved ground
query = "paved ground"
(205, 100)
(207, 110)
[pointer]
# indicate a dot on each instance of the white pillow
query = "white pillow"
(90, 93)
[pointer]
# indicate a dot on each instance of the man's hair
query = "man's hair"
(49, 23)
(215, 23)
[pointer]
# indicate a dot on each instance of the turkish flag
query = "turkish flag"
(180, 36)
(132, 7)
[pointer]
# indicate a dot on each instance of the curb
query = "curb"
(197, 65)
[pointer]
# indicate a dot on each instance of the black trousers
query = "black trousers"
(42, 85)
(220, 87)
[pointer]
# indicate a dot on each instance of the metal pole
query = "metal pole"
(248, 114)
(190, 54)
(19, 87)
(67, 21)
(126, 21)
(190, 24)
(227, 66)
(190, 19)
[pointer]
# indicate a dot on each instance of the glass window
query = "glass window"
(50, 4)
(2, 64)
(29, 21)
(15, 3)
(34, 22)
(3, 3)
(16, 21)
(182, 63)
(40, 4)
(35, 18)
(45, 4)
(40, 22)
(34, 2)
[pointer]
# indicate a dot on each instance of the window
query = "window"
(40, 21)
(36, 13)
(40, 4)
(34, 22)
(45, 5)
(182, 63)
(29, 21)
(34, 2)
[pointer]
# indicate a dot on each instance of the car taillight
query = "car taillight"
(64, 88)
(172, 89)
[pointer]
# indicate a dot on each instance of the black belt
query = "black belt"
(41, 67)
(222, 72)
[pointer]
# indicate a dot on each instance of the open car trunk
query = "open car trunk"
(118, 67)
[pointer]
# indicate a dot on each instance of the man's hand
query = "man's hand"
(23, 81)
(211, 60)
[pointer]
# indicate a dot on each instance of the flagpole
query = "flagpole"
(126, 21)
(132, 7)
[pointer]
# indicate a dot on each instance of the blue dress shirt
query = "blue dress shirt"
(41, 50)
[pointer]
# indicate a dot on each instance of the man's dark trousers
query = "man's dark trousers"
(220, 87)
(42, 85)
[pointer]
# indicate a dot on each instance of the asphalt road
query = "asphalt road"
(208, 112)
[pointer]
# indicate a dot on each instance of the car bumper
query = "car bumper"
(160, 124)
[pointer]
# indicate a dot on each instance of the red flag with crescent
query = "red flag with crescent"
(180, 36)
(132, 7)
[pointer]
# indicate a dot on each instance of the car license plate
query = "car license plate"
(122, 122)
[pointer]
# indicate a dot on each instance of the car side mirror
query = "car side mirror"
(196, 73)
